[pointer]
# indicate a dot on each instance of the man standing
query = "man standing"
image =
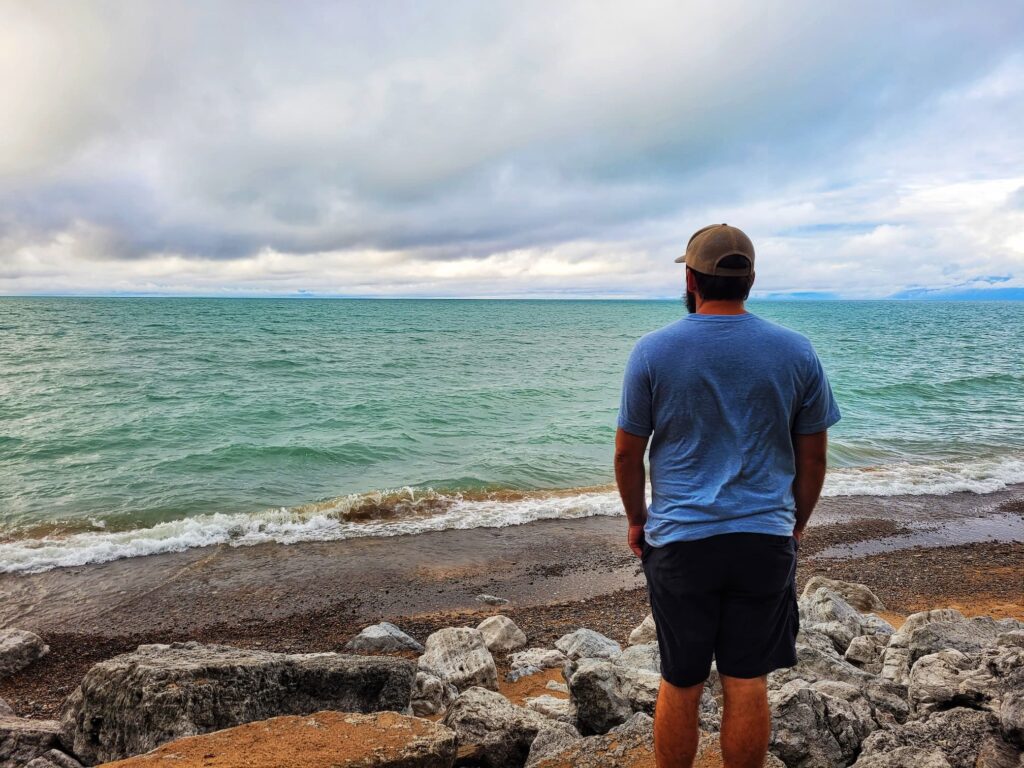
(736, 409)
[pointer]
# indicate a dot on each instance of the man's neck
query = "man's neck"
(720, 308)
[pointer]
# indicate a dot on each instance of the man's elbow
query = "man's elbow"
(626, 460)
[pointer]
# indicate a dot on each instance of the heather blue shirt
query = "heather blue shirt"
(720, 395)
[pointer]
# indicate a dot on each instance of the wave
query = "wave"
(412, 511)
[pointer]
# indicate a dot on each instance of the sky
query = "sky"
(521, 149)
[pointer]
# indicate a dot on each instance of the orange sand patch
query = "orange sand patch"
(323, 740)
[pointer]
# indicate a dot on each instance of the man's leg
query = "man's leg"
(675, 725)
(746, 722)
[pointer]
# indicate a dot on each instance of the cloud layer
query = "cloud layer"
(520, 149)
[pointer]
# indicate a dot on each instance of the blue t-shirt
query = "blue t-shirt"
(721, 395)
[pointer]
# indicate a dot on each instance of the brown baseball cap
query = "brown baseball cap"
(708, 246)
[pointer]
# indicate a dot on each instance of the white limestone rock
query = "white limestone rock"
(501, 634)
(588, 644)
(458, 655)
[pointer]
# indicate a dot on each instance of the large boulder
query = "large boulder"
(865, 652)
(501, 634)
(22, 740)
(606, 694)
(630, 745)
(1011, 717)
(646, 656)
(383, 638)
(458, 655)
(534, 660)
(588, 644)
(53, 759)
(982, 680)
(960, 733)
(431, 695)
(812, 726)
(857, 595)
(18, 649)
(320, 740)
(827, 612)
(970, 636)
(645, 633)
(494, 731)
(905, 757)
(896, 658)
(134, 702)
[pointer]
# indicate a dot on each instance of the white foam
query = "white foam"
(329, 521)
(938, 478)
(289, 527)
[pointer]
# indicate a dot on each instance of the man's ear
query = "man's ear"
(691, 281)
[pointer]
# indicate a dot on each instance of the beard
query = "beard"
(691, 302)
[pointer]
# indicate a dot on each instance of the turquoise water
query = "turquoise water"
(130, 426)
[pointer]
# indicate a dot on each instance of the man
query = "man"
(736, 409)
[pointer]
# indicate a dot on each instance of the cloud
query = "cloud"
(505, 149)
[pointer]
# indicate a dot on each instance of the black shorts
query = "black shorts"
(731, 597)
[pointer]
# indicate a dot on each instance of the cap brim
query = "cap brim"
(681, 259)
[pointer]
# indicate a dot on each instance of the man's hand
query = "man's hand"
(636, 539)
(798, 534)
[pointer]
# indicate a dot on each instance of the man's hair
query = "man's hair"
(715, 288)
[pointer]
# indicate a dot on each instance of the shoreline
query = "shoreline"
(557, 574)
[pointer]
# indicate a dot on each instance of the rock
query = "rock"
(5, 709)
(587, 644)
(54, 759)
(646, 656)
(865, 652)
(498, 732)
(950, 678)
(1011, 717)
(606, 694)
(645, 633)
(960, 733)
(857, 595)
(492, 600)
(431, 695)
(554, 685)
(320, 740)
(811, 727)
(458, 655)
(968, 636)
(554, 707)
(22, 740)
(383, 638)
(827, 612)
(905, 757)
(134, 702)
(896, 660)
(532, 661)
(1014, 638)
(501, 634)
(629, 744)
(18, 649)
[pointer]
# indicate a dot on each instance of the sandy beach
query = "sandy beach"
(961, 550)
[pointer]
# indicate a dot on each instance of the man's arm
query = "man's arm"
(631, 477)
(811, 462)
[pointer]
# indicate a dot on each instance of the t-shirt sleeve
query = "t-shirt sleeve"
(818, 409)
(635, 408)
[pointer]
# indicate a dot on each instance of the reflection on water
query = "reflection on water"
(998, 527)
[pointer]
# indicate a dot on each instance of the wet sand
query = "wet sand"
(916, 552)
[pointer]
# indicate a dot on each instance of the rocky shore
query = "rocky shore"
(940, 690)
